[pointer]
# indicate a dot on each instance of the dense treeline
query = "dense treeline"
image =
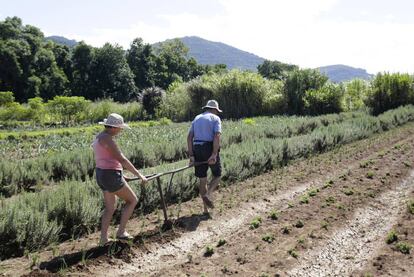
(34, 67)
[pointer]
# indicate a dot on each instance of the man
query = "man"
(203, 143)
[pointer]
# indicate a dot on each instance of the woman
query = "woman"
(109, 165)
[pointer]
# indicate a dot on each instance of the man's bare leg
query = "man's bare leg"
(212, 186)
(202, 189)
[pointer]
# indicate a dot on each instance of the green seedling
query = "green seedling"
(313, 192)
(340, 206)
(304, 199)
(330, 200)
(324, 225)
(348, 192)
(292, 252)
(410, 206)
(403, 247)
(299, 224)
(221, 242)
(269, 238)
(370, 175)
(274, 215)
(35, 257)
(209, 251)
(255, 223)
(286, 229)
(391, 237)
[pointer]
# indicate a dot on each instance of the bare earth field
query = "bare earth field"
(328, 215)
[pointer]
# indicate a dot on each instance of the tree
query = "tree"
(390, 91)
(10, 28)
(28, 66)
(114, 78)
(141, 60)
(297, 83)
(83, 57)
(53, 79)
(324, 100)
(275, 70)
(63, 58)
(171, 63)
(355, 92)
(16, 55)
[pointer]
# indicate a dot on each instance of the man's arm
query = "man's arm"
(216, 147)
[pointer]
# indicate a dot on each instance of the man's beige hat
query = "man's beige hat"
(212, 104)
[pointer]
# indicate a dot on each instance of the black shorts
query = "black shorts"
(109, 179)
(201, 154)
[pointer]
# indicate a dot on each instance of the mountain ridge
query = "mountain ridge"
(211, 52)
(340, 73)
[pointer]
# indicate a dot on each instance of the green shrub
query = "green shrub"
(6, 98)
(13, 111)
(68, 109)
(249, 121)
(151, 100)
(99, 110)
(325, 100)
(240, 94)
(354, 95)
(297, 83)
(389, 91)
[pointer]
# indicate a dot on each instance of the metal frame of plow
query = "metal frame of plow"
(167, 223)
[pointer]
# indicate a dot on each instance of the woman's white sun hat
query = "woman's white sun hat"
(212, 104)
(115, 120)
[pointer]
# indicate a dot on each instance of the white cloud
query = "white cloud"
(289, 31)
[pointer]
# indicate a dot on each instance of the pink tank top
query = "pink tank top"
(104, 158)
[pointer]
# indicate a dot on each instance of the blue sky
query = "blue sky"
(375, 35)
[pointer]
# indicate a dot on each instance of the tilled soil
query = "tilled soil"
(333, 214)
(332, 233)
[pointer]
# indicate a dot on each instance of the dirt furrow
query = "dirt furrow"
(177, 251)
(355, 244)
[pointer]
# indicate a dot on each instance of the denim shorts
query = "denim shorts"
(109, 179)
(201, 154)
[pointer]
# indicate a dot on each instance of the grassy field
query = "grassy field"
(49, 195)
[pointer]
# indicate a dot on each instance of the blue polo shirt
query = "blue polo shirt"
(204, 127)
